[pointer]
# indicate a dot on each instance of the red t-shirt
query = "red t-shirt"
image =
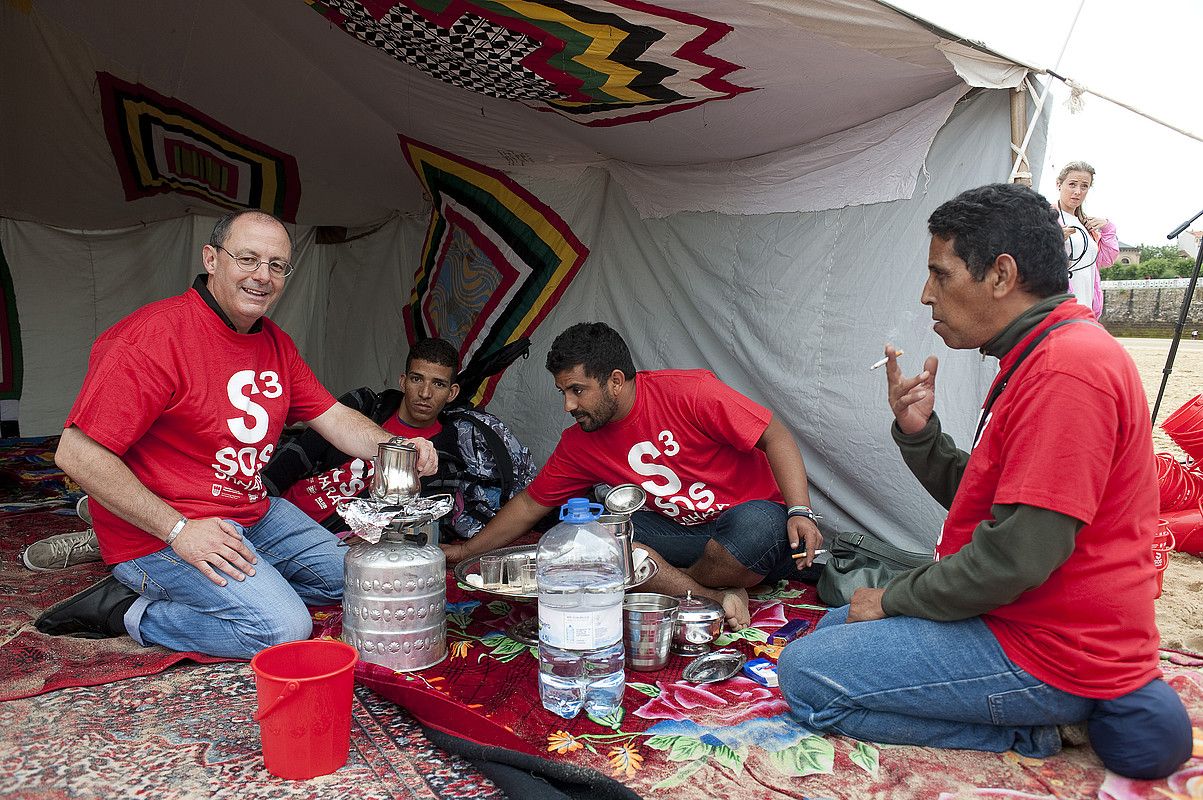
(316, 495)
(1089, 629)
(690, 441)
(194, 409)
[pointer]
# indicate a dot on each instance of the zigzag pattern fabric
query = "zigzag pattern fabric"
(597, 62)
(496, 259)
(160, 145)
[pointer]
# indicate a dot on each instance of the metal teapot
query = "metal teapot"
(620, 503)
(395, 479)
(620, 527)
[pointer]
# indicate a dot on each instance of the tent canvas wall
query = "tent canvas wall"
(745, 183)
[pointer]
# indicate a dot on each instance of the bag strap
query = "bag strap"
(1001, 383)
(848, 543)
(485, 365)
(382, 406)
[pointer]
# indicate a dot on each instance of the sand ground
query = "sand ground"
(1180, 609)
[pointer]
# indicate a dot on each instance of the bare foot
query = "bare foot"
(735, 608)
(734, 603)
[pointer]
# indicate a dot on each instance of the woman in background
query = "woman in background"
(1090, 242)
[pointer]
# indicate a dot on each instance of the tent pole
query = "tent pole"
(1030, 82)
(1019, 124)
(1190, 293)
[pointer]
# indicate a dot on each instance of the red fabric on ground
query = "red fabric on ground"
(730, 739)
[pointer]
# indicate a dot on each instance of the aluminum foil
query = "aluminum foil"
(368, 518)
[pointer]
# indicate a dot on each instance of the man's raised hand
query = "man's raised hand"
(911, 399)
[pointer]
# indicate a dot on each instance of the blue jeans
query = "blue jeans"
(299, 562)
(902, 680)
(753, 532)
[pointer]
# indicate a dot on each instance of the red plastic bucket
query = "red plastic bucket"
(1185, 427)
(304, 712)
(1163, 543)
(1187, 527)
(1179, 487)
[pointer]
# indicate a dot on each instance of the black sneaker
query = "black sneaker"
(94, 613)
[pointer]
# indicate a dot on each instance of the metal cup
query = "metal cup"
(620, 526)
(626, 498)
(395, 480)
(648, 629)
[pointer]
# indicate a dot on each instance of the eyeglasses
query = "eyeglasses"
(281, 269)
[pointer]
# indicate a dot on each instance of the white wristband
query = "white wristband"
(175, 531)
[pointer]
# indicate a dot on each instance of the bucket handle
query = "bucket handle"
(289, 689)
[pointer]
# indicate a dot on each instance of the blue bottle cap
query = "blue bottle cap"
(579, 509)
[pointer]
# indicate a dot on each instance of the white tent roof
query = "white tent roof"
(807, 105)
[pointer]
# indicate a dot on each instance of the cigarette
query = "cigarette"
(796, 556)
(883, 361)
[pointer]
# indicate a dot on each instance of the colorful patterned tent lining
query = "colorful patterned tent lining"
(597, 62)
(495, 262)
(162, 145)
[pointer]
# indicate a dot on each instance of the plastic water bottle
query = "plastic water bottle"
(580, 614)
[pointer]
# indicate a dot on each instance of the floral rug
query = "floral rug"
(190, 733)
(673, 739)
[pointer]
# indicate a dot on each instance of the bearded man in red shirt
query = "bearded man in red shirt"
(728, 500)
(1037, 611)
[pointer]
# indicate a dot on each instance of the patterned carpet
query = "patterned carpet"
(672, 740)
(32, 662)
(30, 481)
(189, 733)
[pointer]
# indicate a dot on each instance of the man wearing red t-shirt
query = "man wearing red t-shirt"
(302, 472)
(480, 462)
(728, 498)
(182, 405)
(1037, 611)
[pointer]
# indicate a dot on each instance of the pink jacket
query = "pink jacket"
(1108, 249)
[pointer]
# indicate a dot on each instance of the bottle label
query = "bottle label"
(580, 630)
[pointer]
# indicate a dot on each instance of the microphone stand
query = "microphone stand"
(1190, 293)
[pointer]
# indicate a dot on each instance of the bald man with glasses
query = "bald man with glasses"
(181, 407)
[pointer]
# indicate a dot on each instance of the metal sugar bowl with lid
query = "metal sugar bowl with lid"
(395, 591)
(698, 622)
